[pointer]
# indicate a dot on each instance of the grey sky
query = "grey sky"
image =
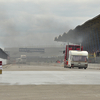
(37, 22)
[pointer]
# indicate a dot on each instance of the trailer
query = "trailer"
(78, 59)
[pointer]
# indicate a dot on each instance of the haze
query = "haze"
(38, 22)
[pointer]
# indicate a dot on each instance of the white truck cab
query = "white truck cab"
(78, 59)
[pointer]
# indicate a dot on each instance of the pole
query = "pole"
(67, 50)
(80, 46)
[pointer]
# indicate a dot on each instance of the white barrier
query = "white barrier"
(4, 61)
(0, 67)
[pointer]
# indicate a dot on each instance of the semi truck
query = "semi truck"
(21, 60)
(66, 54)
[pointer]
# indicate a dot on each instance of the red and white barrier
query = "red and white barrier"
(0, 67)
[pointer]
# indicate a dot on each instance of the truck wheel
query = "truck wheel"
(85, 67)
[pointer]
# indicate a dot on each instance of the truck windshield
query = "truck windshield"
(79, 58)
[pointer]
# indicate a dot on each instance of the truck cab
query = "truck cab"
(66, 52)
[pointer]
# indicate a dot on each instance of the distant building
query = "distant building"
(36, 54)
(3, 57)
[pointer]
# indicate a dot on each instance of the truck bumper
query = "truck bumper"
(80, 65)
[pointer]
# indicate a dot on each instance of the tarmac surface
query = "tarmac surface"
(49, 82)
(50, 77)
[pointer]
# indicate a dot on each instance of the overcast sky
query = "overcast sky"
(38, 22)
